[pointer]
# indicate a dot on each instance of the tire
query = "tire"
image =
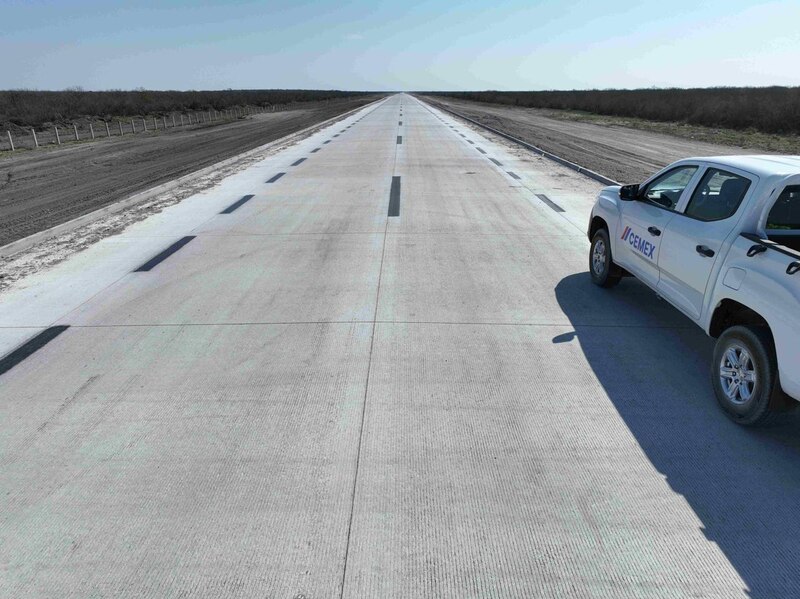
(744, 375)
(601, 266)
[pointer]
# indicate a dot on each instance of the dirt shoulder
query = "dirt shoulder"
(39, 190)
(620, 150)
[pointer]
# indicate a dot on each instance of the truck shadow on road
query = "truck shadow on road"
(742, 484)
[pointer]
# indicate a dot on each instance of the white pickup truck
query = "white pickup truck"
(718, 238)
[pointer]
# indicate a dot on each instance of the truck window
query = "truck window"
(717, 196)
(666, 190)
(785, 212)
(783, 221)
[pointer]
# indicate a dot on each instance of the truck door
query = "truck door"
(643, 221)
(695, 238)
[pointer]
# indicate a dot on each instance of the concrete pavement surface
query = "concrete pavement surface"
(276, 389)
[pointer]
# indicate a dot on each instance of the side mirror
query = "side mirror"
(629, 192)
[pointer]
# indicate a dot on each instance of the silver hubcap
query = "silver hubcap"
(737, 374)
(599, 257)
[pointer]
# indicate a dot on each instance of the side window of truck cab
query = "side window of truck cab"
(718, 195)
(783, 221)
(665, 191)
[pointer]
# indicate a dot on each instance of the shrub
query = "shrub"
(35, 108)
(768, 109)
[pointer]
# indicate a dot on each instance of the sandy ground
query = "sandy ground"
(623, 154)
(42, 189)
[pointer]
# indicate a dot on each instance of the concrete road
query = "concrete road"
(382, 373)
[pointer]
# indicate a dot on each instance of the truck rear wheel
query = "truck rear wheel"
(744, 375)
(601, 267)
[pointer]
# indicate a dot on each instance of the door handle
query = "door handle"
(756, 249)
(793, 267)
(705, 251)
(654, 231)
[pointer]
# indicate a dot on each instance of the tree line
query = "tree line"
(31, 108)
(768, 109)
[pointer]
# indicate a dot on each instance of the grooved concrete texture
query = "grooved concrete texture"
(312, 399)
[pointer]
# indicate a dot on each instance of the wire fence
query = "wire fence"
(94, 129)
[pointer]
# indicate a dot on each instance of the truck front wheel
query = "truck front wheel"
(744, 374)
(601, 267)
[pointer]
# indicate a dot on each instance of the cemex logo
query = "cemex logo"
(640, 245)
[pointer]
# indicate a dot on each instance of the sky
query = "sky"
(401, 45)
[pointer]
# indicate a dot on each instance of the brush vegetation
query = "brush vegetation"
(766, 109)
(27, 108)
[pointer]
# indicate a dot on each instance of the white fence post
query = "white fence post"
(173, 120)
(58, 139)
(10, 141)
(108, 131)
(181, 119)
(133, 126)
(155, 124)
(144, 124)
(75, 129)
(35, 141)
(163, 118)
(91, 130)
(120, 128)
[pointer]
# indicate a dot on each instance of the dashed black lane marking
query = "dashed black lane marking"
(514, 175)
(471, 142)
(497, 162)
(400, 123)
(336, 135)
(399, 139)
(237, 203)
(394, 197)
(315, 150)
(30, 347)
(549, 202)
(482, 151)
(297, 162)
(159, 258)
(276, 177)
(326, 142)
